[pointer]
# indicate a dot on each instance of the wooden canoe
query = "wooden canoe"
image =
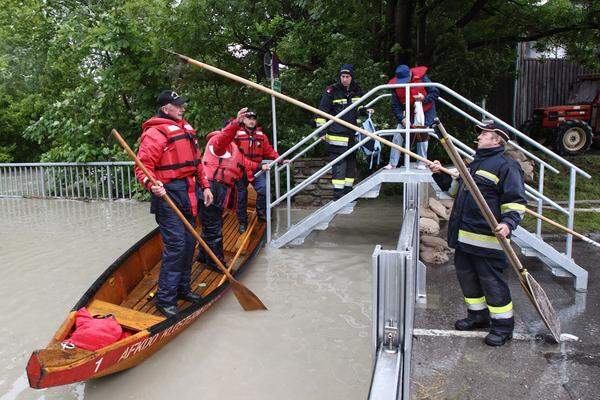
(125, 290)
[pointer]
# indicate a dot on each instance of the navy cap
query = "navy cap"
(347, 69)
(494, 127)
(170, 97)
(250, 113)
(402, 74)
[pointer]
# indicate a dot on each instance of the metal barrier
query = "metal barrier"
(95, 181)
(397, 280)
(535, 193)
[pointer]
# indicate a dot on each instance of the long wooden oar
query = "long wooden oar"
(534, 291)
(314, 110)
(300, 104)
(564, 228)
(240, 249)
(248, 300)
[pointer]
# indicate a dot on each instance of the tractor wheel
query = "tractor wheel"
(573, 137)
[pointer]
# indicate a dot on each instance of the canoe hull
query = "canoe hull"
(54, 366)
(118, 357)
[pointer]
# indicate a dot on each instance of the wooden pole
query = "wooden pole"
(248, 300)
(240, 249)
(564, 228)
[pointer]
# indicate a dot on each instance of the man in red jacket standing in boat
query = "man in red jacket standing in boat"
(255, 147)
(169, 150)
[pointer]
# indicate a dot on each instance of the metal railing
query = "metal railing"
(94, 181)
(535, 193)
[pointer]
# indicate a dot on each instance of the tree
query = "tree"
(71, 70)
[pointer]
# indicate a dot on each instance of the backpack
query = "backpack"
(371, 149)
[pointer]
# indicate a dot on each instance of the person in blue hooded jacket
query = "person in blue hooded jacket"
(339, 138)
(425, 95)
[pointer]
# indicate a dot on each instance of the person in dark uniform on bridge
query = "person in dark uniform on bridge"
(336, 98)
(169, 150)
(254, 145)
(479, 259)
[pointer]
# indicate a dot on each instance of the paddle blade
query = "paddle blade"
(543, 306)
(246, 298)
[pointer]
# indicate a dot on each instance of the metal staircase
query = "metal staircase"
(531, 244)
(368, 189)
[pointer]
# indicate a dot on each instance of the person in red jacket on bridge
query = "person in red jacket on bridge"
(255, 146)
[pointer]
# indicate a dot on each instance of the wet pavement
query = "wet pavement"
(466, 368)
(313, 343)
(315, 340)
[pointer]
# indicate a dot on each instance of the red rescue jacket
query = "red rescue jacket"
(417, 74)
(223, 162)
(169, 150)
(255, 147)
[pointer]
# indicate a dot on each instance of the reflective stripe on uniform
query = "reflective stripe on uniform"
(320, 121)
(506, 207)
(349, 182)
(336, 140)
(340, 101)
(479, 240)
(355, 99)
(501, 312)
(487, 174)
(476, 304)
(338, 183)
(453, 188)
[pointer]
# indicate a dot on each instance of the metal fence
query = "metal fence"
(94, 181)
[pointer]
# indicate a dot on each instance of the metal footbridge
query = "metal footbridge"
(398, 275)
(531, 244)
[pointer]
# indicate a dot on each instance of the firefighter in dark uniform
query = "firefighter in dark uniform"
(224, 167)
(479, 258)
(339, 138)
(169, 150)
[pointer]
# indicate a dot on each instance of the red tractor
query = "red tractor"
(570, 128)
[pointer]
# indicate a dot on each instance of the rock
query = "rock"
(448, 203)
(432, 256)
(515, 154)
(438, 208)
(427, 213)
(434, 242)
(429, 226)
(303, 200)
(527, 167)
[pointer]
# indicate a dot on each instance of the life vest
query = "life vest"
(181, 154)
(417, 74)
(251, 144)
(227, 168)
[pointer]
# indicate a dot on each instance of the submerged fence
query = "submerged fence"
(94, 181)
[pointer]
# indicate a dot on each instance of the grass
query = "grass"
(556, 186)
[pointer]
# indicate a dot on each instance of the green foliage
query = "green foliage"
(70, 70)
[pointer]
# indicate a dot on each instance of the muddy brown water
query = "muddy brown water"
(313, 343)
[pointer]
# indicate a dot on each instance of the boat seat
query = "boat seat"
(126, 317)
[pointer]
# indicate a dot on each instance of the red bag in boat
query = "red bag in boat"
(94, 333)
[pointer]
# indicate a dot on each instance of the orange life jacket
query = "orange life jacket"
(417, 74)
(181, 154)
(227, 168)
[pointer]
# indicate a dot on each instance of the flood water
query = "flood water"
(313, 343)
